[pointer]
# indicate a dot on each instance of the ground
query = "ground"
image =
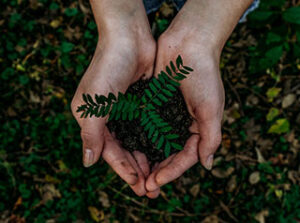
(45, 48)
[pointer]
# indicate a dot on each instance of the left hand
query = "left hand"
(204, 95)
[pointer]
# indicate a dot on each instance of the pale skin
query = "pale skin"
(126, 52)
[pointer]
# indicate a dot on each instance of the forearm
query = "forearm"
(118, 15)
(212, 20)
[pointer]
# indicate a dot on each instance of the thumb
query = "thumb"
(92, 135)
(210, 139)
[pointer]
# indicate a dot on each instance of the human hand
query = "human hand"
(204, 96)
(125, 51)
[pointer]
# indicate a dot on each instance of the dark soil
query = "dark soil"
(131, 133)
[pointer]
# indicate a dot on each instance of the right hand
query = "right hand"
(125, 52)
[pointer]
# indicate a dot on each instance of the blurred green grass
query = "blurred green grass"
(45, 48)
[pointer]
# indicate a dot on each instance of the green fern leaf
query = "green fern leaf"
(106, 111)
(188, 68)
(167, 149)
(84, 97)
(167, 93)
(173, 66)
(150, 107)
(121, 96)
(155, 136)
(145, 121)
(156, 82)
(162, 124)
(176, 146)
(184, 71)
(130, 115)
(101, 112)
(144, 100)
(157, 102)
(179, 61)
(160, 142)
(171, 87)
(167, 78)
(90, 99)
(179, 77)
(153, 88)
(166, 129)
(151, 131)
(162, 97)
(111, 97)
(136, 113)
(81, 108)
(124, 116)
(96, 111)
(120, 105)
(126, 106)
(100, 99)
(118, 116)
(169, 71)
(148, 93)
(147, 127)
(172, 136)
(161, 79)
(113, 111)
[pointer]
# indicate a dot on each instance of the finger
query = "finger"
(142, 162)
(184, 160)
(151, 184)
(92, 135)
(118, 161)
(210, 139)
(153, 194)
(139, 187)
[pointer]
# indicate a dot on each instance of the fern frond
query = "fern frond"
(128, 106)
(158, 131)
(122, 107)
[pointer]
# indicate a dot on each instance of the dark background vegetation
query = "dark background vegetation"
(45, 48)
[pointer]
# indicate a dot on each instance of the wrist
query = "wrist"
(211, 21)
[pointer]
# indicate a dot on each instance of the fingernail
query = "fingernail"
(88, 158)
(209, 162)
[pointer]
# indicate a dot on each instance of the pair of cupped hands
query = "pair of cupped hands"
(126, 52)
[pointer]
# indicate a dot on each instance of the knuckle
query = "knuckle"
(86, 136)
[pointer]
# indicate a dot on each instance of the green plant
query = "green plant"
(129, 107)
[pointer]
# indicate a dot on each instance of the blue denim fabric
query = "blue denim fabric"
(153, 5)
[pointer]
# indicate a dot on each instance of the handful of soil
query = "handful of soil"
(132, 135)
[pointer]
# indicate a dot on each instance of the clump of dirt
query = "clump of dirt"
(132, 136)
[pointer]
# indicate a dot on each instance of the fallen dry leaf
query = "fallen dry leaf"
(220, 173)
(288, 100)
(194, 190)
(254, 177)
(260, 217)
(96, 215)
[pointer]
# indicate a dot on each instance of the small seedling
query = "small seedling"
(129, 107)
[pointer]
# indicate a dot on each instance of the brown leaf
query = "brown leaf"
(288, 100)
(166, 10)
(260, 157)
(194, 190)
(50, 192)
(231, 185)
(220, 173)
(254, 177)
(103, 198)
(260, 217)
(211, 219)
